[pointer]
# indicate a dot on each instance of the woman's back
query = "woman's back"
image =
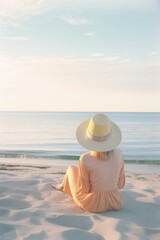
(103, 174)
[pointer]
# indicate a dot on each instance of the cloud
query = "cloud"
(110, 59)
(154, 53)
(13, 12)
(95, 55)
(77, 21)
(89, 34)
(15, 38)
(38, 83)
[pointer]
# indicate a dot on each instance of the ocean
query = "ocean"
(51, 135)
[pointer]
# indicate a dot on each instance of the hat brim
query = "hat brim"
(99, 146)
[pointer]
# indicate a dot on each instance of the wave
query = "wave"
(50, 155)
(37, 154)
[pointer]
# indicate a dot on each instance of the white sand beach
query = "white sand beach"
(31, 209)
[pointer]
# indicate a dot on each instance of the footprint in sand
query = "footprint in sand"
(40, 236)
(3, 191)
(80, 222)
(157, 200)
(20, 184)
(6, 175)
(5, 228)
(80, 234)
(150, 191)
(14, 204)
(20, 215)
(4, 212)
(141, 178)
(34, 217)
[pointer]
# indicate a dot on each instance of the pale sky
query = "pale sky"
(81, 55)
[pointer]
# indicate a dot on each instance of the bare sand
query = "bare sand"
(31, 209)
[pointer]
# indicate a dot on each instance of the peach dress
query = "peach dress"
(94, 184)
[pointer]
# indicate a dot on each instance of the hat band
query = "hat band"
(98, 139)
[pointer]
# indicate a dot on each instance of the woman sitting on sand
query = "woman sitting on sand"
(95, 183)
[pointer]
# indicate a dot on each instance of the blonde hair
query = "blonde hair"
(102, 155)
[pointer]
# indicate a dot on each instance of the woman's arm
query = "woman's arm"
(83, 177)
(121, 181)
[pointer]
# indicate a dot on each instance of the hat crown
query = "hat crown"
(98, 134)
(99, 125)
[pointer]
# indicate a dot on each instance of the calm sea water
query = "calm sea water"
(52, 135)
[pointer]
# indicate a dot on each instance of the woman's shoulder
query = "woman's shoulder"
(118, 151)
(118, 155)
(85, 156)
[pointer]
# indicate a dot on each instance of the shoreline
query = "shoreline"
(60, 164)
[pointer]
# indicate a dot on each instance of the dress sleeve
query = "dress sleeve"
(83, 177)
(121, 181)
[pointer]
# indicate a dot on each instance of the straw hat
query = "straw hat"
(98, 134)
